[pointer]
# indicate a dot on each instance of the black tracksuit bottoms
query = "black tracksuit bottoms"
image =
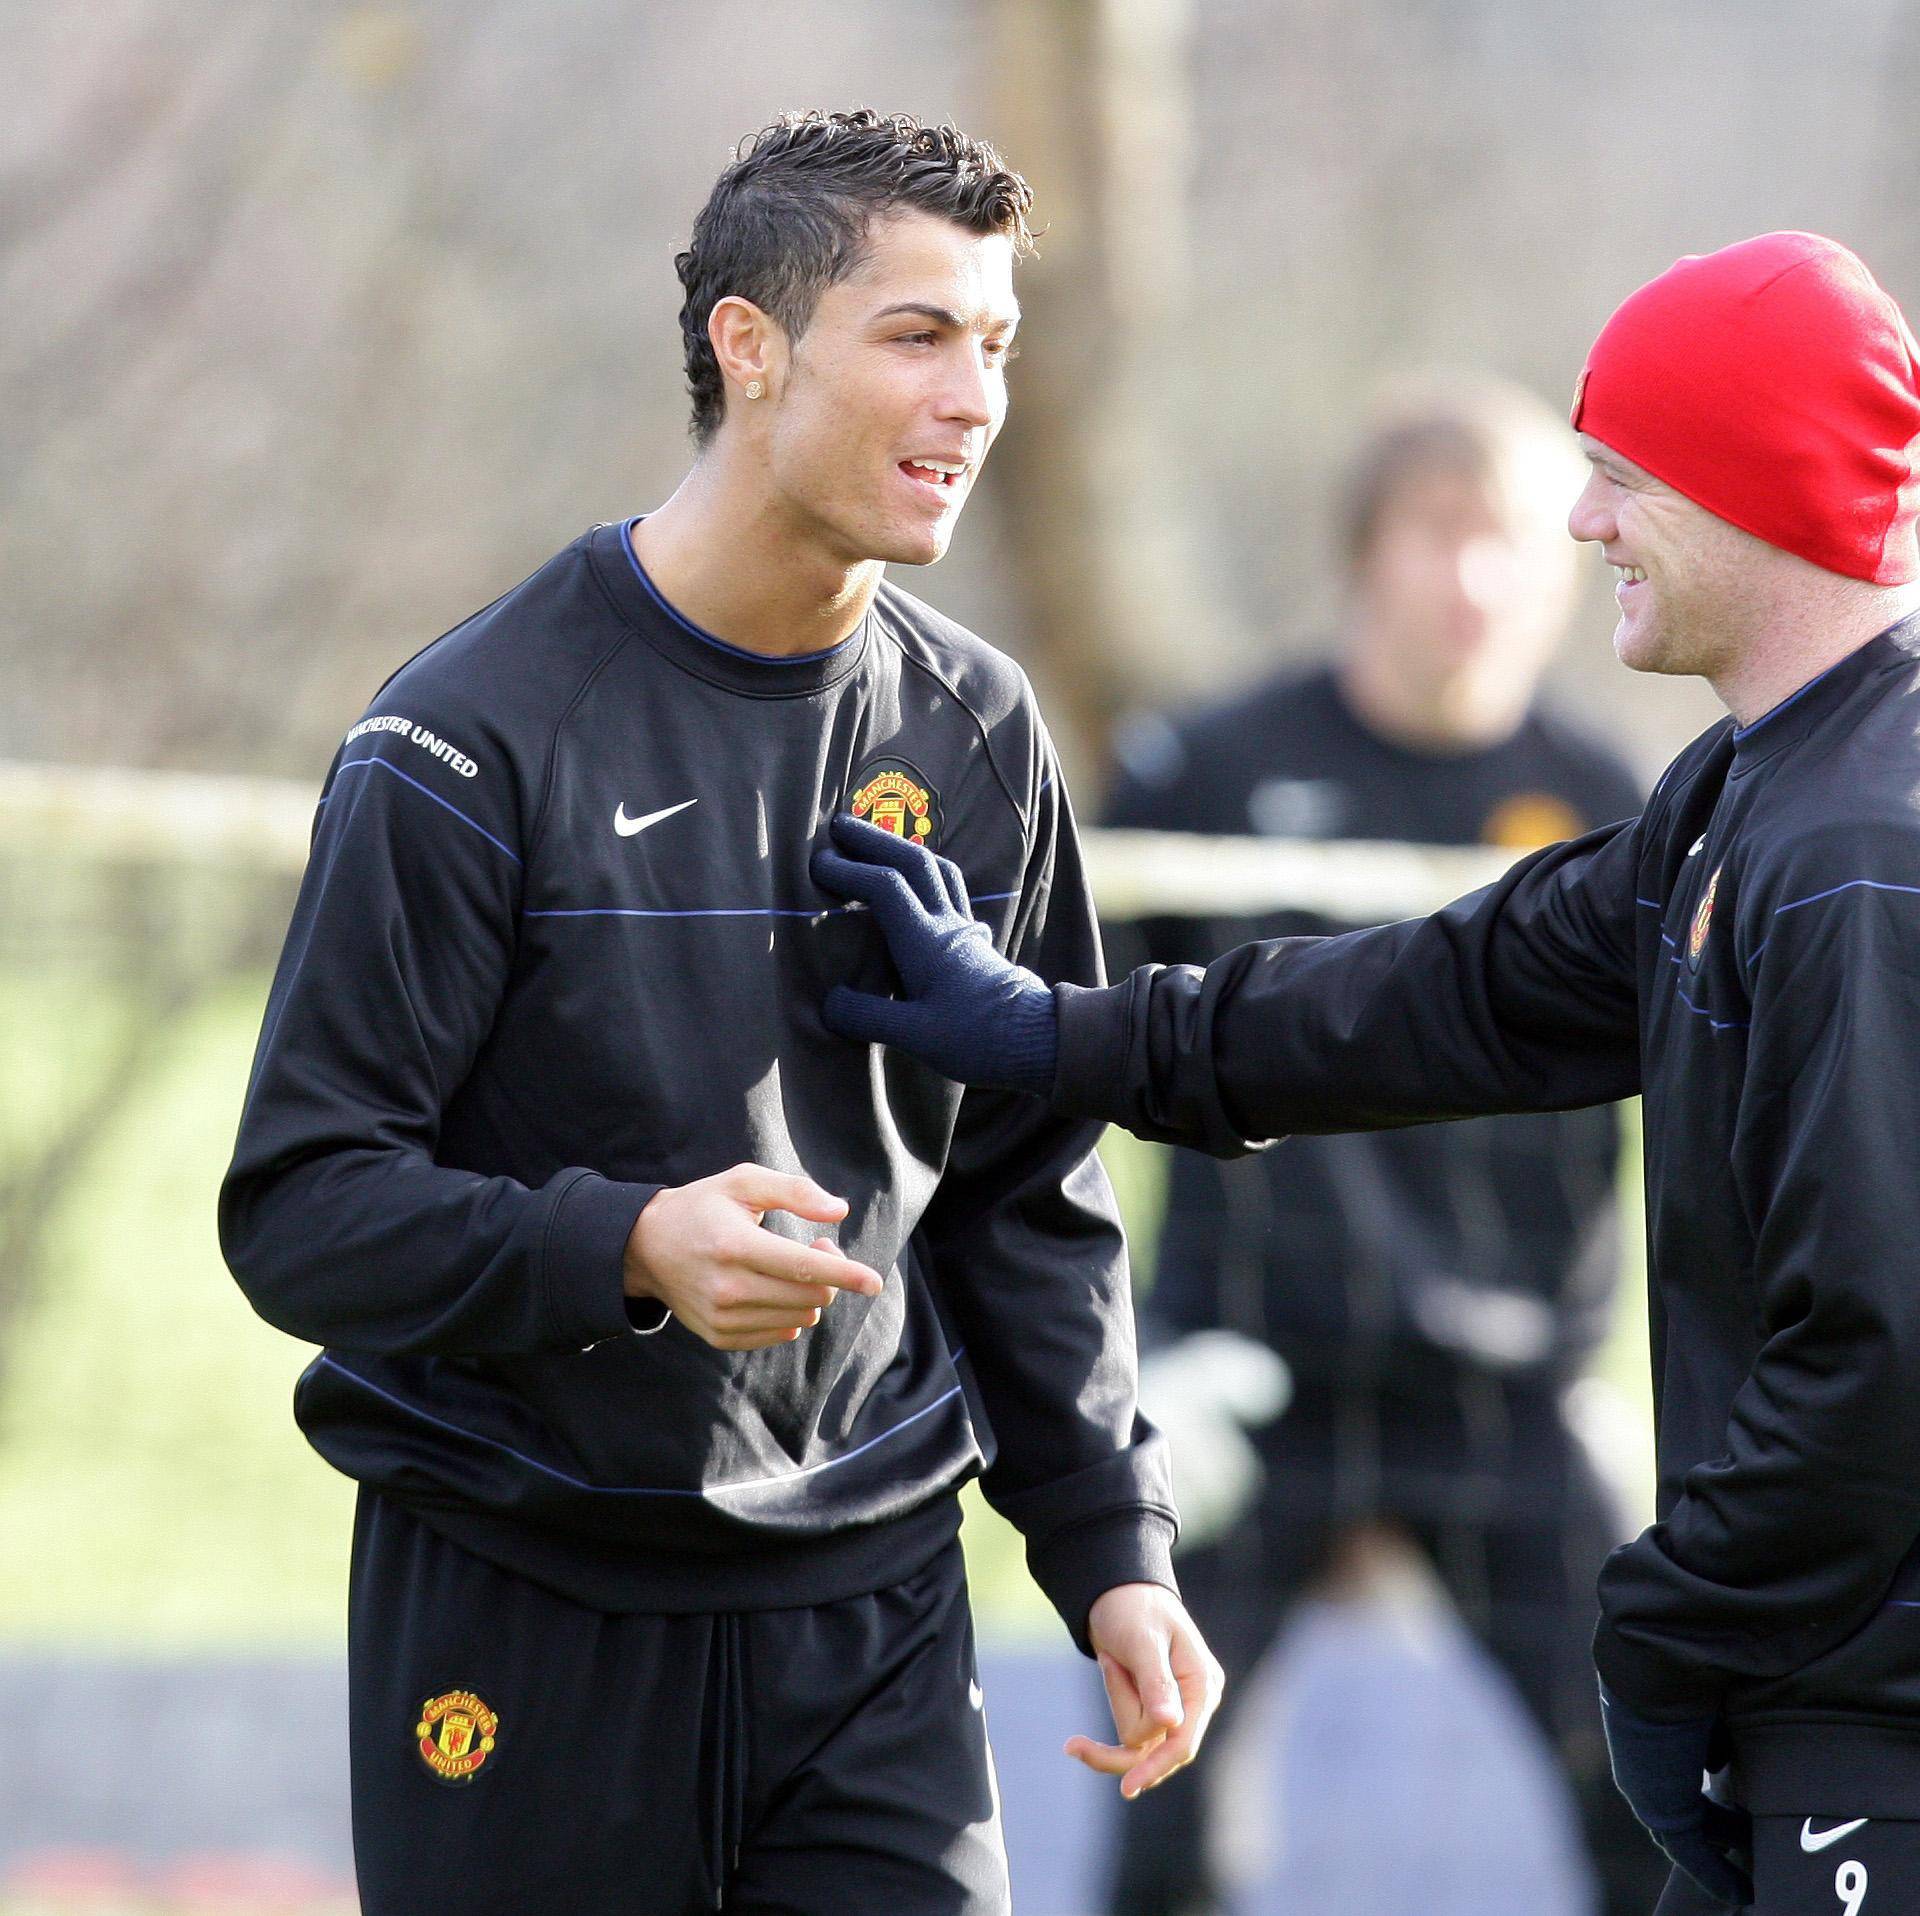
(516, 1752)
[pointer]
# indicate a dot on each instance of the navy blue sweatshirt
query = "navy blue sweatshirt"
(1746, 955)
(557, 947)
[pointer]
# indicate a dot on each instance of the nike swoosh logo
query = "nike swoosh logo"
(626, 826)
(1810, 1842)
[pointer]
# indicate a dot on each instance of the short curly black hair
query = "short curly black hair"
(790, 217)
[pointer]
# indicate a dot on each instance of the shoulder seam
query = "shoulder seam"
(559, 725)
(979, 724)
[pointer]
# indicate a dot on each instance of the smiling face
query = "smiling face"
(1691, 587)
(879, 416)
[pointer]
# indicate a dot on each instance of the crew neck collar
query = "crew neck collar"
(705, 654)
(1802, 711)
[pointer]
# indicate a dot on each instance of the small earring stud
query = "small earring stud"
(754, 389)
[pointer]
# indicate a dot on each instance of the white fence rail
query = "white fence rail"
(113, 813)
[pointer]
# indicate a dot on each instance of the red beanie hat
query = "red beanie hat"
(1775, 384)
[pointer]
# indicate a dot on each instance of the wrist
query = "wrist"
(1031, 1046)
(1121, 1596)
(1081, 1564)
(636, 1271)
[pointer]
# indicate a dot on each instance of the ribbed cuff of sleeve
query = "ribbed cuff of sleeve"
(1027, 1040)
(1652, 1684)
(1091, 1028)
(586, 1240)
(1079, 1564)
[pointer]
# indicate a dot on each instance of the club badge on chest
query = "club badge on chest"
(892, 794)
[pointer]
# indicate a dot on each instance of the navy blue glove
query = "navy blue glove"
(1660, 1768)
(971, 1014)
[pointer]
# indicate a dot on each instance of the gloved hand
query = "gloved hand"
(971, 1014)
(1660, 1768)
(1206, 1392)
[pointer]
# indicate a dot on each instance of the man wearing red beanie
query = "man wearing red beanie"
(1746, 956)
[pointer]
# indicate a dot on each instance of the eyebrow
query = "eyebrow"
(943, 315)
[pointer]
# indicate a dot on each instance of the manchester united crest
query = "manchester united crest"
(893, 796)
(455, 1735)
(1702, 918)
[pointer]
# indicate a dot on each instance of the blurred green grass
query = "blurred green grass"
(154, 1492)
(149, 1464)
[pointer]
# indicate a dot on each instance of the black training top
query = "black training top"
(1406, 1265)
(557, 946)
(1747, 954)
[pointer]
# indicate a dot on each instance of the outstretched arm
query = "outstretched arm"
(1520, 997)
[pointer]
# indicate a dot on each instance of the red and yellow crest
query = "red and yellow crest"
(1702, 918)
(893, 797)
(455, 1735)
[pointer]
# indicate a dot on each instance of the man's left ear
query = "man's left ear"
(750, 348)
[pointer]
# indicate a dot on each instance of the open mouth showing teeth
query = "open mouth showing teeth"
(933, 472)
(1632, 574)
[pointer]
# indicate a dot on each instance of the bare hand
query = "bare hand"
(1162, 1683)
(699, 1249)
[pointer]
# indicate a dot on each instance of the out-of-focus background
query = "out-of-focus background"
(326, 323)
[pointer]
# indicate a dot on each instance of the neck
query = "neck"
(732, 560)
(1465, 711)
(1794, 643)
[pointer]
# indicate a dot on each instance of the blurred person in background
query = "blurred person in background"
(1431, 1293)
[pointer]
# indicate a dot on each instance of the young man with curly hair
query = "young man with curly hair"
(663, 1327)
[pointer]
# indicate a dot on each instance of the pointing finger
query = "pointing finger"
(760, 1189)
(797, 1264)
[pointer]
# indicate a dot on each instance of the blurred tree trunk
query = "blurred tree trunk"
(1091, 100)
(1895, 255)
